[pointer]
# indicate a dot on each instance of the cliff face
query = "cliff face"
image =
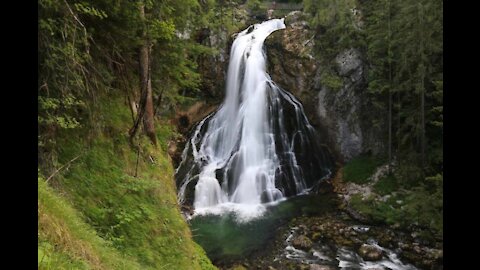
(337, 114)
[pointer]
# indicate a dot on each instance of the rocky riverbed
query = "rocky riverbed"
(334, 239)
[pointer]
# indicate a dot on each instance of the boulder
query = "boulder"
(302, 242)
(370, 253)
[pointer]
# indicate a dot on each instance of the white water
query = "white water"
(344, 258)
(241, 139)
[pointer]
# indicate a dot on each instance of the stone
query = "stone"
(302, 242)
(370, 253)
(320, 267)
(335, 114)
(348, 61)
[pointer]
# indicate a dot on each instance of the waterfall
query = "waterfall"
(258, 147)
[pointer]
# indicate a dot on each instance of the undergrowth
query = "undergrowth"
(125, 198)
(359, 169)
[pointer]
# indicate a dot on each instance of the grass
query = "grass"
(359, 169)
(132, 210)
(65, 241)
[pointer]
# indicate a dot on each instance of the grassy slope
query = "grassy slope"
(117, 221)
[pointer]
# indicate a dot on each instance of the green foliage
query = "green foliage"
(405, 55)
(335, 25)
(402, 45)
(88, 9)
(49, 258)
(254, 5)
(65, 241)
(133, 209)
(386, 185)
(165, 133)
(332, 81)
(89, 48)
(359, 169)
(421, 206)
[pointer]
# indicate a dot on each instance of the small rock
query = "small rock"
(303, 267)
(302, 242)
(302, 229)
(320, 267)
(396, 226)
(361, 229)
(417, 248)
(370, 253)
(316, 236)
(403, 245)
(437, 254)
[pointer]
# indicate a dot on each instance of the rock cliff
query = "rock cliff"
(339, 113)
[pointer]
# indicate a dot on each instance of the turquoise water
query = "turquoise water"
(224, 239)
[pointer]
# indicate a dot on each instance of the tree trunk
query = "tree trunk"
(145, 108)
(146, 86)
(422, 84)
(389, 88)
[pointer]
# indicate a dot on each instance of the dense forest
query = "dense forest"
(119, 88)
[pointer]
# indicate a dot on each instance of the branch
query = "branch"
(54, 173)
(75, 16)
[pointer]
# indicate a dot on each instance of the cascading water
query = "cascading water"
(258, 147)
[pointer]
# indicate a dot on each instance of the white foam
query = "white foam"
(242, 212)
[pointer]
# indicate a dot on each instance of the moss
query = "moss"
(417, 206)
(131, 203)
(332, 81)
(359, 169)
(377, 211)
(165, 133)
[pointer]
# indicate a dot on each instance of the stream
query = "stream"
(267, 242)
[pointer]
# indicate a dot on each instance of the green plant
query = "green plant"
(332, 81)
(359, 169)
(386, 185)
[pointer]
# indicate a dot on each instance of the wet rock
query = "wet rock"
(316, 236)
(302, 229)
(238, 267)
(436, 254)
(355, 215)
(320, 267)
(302, 242)
(361, 229)
(370, 253)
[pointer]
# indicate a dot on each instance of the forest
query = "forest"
(163, 123)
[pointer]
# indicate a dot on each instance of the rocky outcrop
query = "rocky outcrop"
(337, 114)
(213, 68)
